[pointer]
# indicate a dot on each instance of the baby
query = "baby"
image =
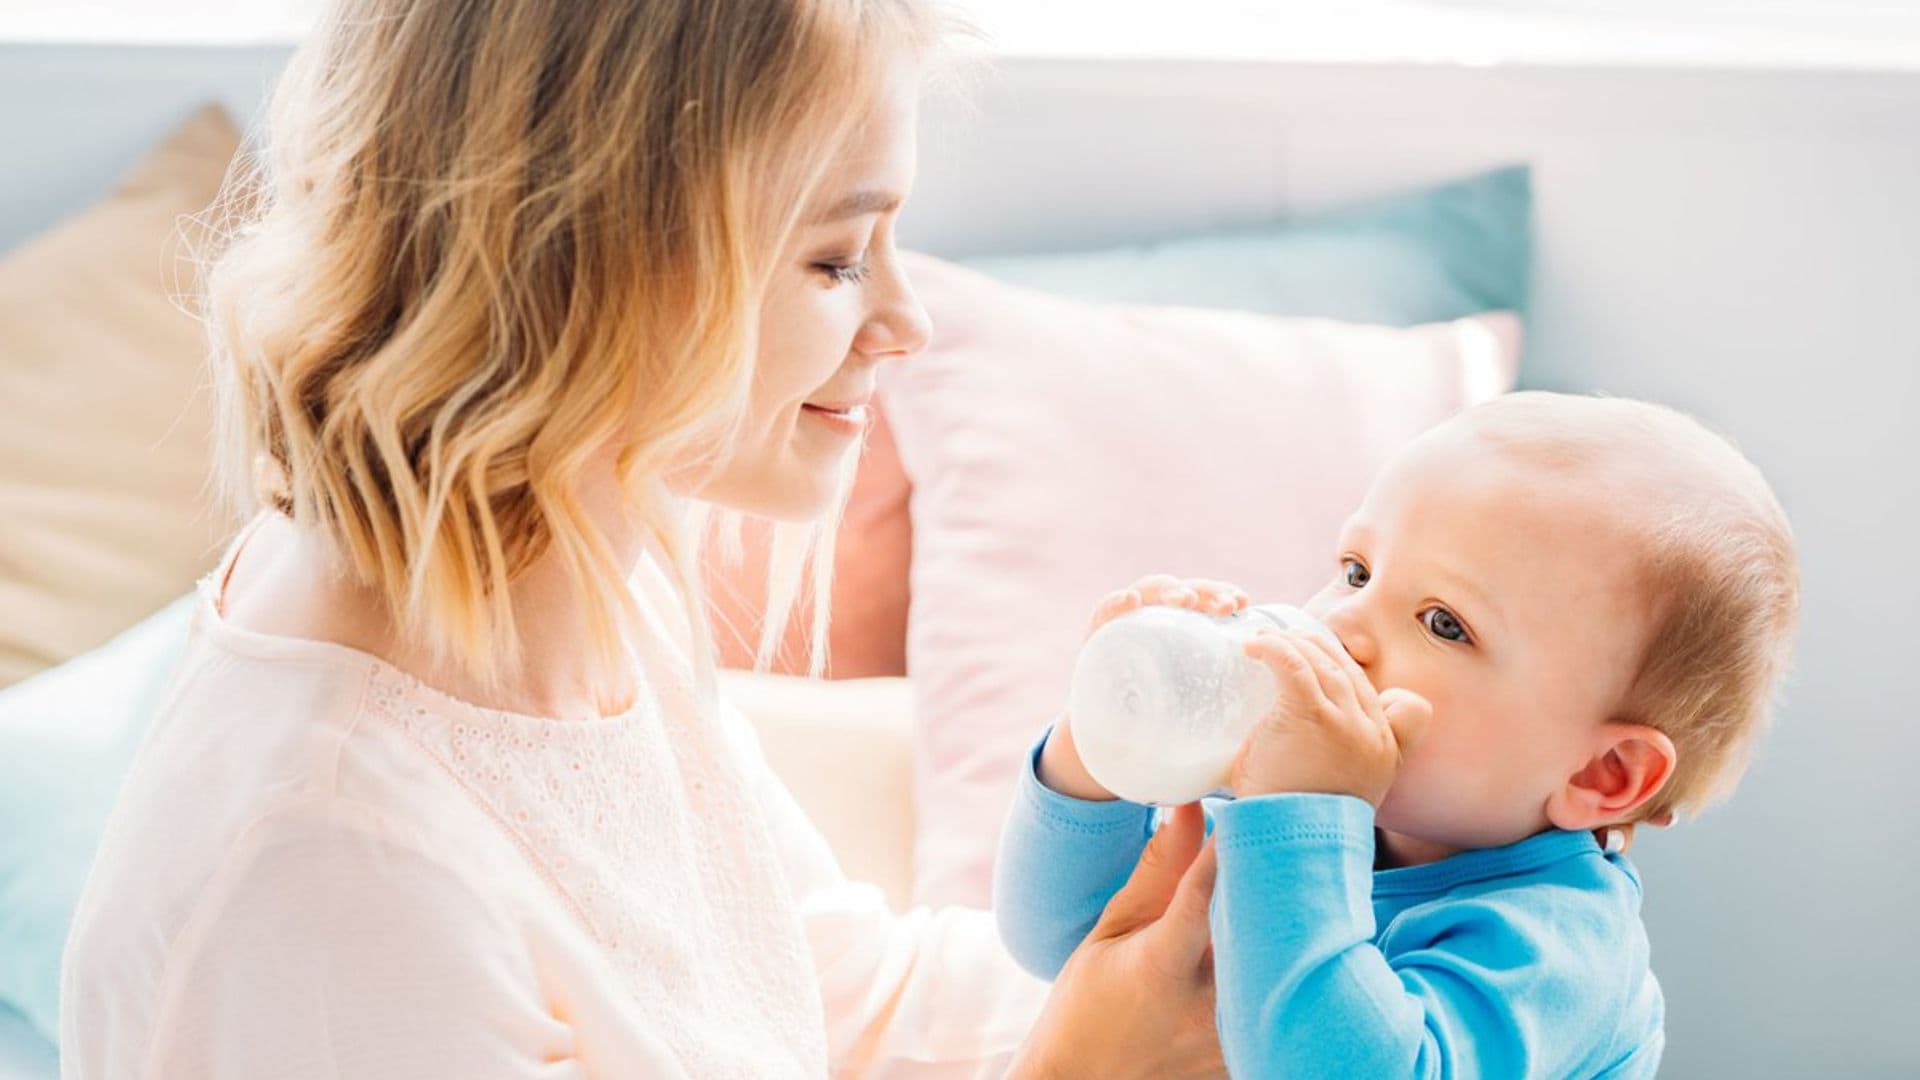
(1575, 611)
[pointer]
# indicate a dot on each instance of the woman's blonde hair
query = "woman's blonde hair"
(484, 239)
(1716, 559)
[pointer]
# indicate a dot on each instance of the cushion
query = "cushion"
(67, 736)
(1427, 256)
(1059, 450)
(104, 453)
(844, 748)
(25, 1053)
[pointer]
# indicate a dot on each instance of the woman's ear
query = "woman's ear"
(1629, 765)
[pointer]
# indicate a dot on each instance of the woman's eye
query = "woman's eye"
(846, 274)
(1356, 574)
(1442, 624)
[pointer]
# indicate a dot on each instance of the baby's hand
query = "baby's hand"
(1060, 765)
(1165, 590)
(1328, 731)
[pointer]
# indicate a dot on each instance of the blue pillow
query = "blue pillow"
(67, 736)
(25, 1054)
(1434, 255)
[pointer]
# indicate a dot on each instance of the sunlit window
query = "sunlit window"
(1789, 33)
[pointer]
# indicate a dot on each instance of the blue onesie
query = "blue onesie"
(1521, 961)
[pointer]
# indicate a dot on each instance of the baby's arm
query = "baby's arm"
(1061, 859)
(1548, 978)
(1068, 845)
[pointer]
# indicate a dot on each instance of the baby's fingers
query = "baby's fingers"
(1167, 590)
(1353, 682)
(1218, 597)
(1408, 715)
(1115, 605)
(1297, 680)
(1195, 594)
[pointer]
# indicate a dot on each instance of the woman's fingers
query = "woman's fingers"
(1156, 877)
(1184, 934)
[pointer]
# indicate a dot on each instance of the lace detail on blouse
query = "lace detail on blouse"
(646, 828)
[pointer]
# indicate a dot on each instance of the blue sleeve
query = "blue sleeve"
(1061, 859)
(1493, 985)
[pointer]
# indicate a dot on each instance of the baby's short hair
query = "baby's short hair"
(1718, 563)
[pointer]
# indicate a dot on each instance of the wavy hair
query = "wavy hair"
(481, 241)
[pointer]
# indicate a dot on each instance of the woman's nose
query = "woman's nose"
(898, 325)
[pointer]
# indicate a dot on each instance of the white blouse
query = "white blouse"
(322, 867)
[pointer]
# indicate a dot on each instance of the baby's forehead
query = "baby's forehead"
(1598, 469)
(1550, 527)
(1568, 498)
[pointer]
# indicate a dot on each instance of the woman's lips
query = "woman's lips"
(846, 416)
(848, 405)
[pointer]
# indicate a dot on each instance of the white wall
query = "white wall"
(1738, 244)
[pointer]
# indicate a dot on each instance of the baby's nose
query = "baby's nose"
(1358, 643)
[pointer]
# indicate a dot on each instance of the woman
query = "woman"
(444, 787)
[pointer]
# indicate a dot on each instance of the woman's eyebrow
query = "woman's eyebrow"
(860, 202)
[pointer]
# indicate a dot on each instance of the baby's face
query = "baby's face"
(1508, 599)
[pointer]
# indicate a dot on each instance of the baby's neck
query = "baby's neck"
(1392, 850)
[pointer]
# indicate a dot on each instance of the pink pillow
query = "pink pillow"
(1058, 450)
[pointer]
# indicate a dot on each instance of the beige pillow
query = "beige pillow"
(104, 446)
(844, 748)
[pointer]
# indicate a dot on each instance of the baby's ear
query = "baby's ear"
(1630, 764)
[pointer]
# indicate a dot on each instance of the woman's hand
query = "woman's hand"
(1136, 999)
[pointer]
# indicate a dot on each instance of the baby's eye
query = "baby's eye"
(1442, 624)
(1356, 573)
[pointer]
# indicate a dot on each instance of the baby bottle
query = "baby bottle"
(1162, 698)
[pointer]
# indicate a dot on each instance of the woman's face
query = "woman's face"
(838, 305)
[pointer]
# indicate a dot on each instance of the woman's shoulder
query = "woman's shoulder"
(320, 909)
(270, 792)
(251, 718)
(264, 745)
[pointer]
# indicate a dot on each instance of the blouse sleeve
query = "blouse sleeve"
(925, 993)
(332, 943)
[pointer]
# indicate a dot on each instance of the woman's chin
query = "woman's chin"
(801, 488)
(796, 499)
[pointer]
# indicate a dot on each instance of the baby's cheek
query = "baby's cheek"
(1428, 799)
